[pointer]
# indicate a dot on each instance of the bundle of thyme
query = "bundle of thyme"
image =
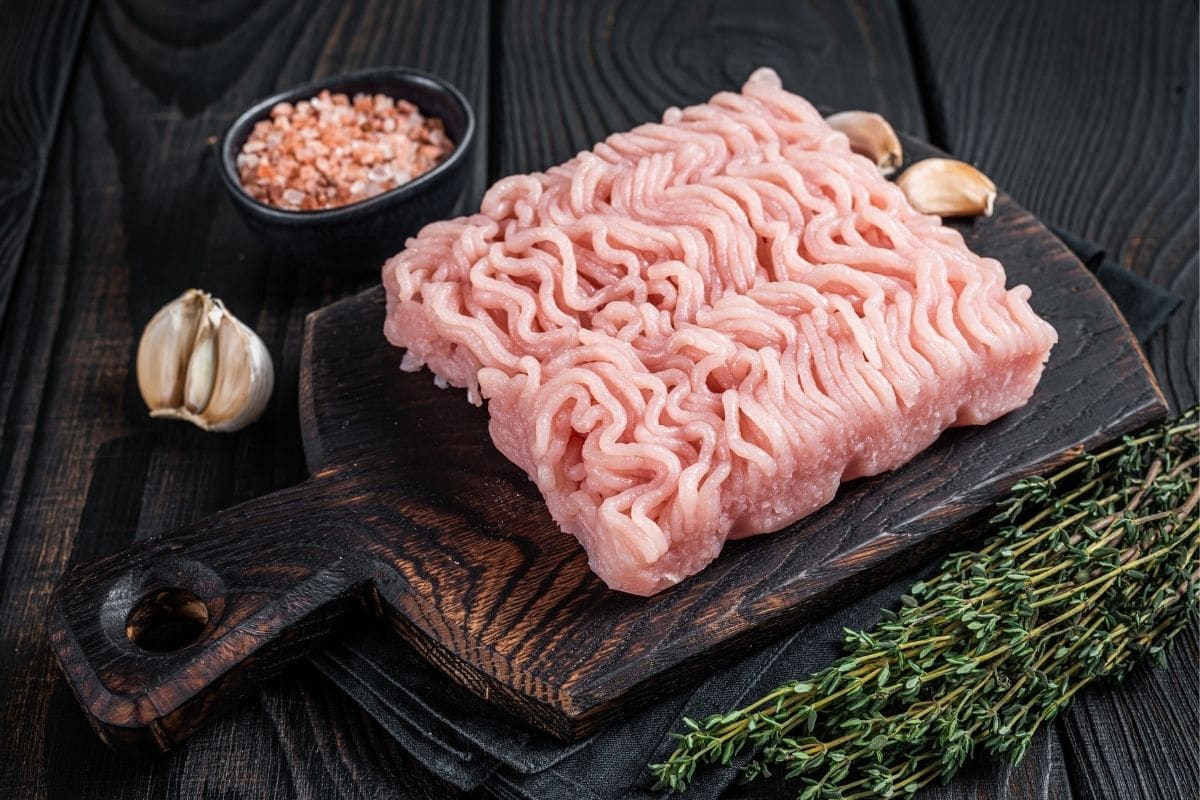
(1089, 571)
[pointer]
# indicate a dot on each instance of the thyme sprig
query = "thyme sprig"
(1087, 572)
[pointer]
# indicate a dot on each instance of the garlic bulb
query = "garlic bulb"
(198, 362)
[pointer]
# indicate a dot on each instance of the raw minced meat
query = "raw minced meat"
(698, 329)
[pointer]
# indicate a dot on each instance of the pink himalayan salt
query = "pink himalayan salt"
(330, 151)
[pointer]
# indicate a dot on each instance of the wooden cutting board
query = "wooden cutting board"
(411, 514)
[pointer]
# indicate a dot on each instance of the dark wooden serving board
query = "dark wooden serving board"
(411, 514)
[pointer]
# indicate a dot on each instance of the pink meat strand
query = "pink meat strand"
(698, 329)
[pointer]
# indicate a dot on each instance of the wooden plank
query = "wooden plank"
(1142, 739)
(299, 739)
(39, 46)
(606, 66)
(1042, 775)
(132, 213)
(39, 43)
(1097, 132)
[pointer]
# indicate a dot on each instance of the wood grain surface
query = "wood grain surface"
(37, 55)
(127, 185)
(610, 65)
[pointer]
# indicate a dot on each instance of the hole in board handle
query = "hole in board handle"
(166, 620)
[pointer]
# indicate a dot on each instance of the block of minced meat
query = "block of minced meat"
(699, 328)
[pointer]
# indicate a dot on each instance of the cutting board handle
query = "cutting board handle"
(156, 639)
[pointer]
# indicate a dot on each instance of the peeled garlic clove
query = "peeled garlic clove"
(948, 188)
(197, 362)
(872, 136)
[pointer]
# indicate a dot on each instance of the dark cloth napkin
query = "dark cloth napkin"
(1146, 307)
(470, 744)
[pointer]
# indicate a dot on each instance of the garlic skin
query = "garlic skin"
(948, 188)
(198, 362)
(872, 136)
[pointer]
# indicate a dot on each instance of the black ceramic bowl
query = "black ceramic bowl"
(359, 236)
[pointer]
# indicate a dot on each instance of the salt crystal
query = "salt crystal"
(330, 150)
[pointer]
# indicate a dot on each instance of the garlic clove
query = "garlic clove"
(197, 362)
(245, 378)
(202, 366)
(948, 188)
(161, 363)
(872, 136)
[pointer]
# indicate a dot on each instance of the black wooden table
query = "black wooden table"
(110, 205)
